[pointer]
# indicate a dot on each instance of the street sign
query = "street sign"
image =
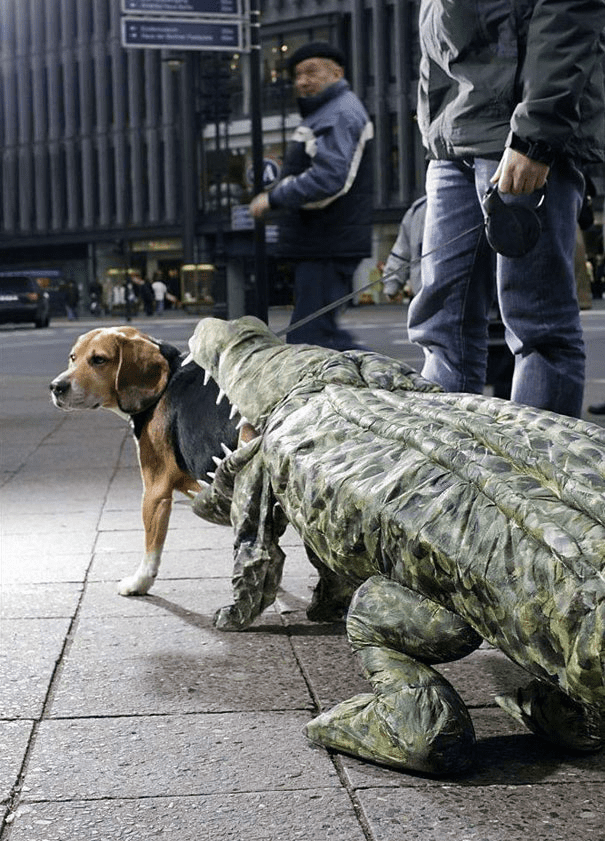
(270, 173)
(177, 34)
(183, 7)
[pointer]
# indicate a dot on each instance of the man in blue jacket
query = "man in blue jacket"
(325, 193)
(511, 94)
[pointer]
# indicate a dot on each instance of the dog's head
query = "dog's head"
(114, 368)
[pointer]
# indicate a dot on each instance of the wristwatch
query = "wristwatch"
(537, 150)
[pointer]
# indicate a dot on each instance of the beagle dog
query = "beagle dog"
(181, 427)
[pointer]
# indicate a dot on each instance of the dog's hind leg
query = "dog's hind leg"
(156, 516)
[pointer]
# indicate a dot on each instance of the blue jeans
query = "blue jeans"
(537, 296)
(318, 283)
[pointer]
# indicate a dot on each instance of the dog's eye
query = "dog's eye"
(72, 357)
(97, 360)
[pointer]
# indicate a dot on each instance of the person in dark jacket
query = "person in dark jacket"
(511, 94)
(325, 193)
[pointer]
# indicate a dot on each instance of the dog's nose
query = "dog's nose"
(59, 387)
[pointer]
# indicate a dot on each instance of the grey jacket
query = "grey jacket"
(403, 263)
(533, 67)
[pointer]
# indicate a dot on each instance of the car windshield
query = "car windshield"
(15, 285)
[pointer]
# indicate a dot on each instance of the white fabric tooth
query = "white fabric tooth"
(203, 483)
(211, 474)
(226, 450)
(187, 360)
(218, 461)
(221, 394)
(234, 411)
(241, 422)
(206, 376)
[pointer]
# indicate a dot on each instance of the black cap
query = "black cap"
(315, 49)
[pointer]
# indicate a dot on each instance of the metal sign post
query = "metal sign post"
(225, 25)
(260, 255)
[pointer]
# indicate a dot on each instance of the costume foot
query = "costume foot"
(433, 736)
(330, 601)
(326, 612)
(555, 717)
(230, 618)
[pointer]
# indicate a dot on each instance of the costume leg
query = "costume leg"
(555, 717)
(332, 594)
(415, 720)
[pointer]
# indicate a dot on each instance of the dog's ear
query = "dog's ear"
(142, 374)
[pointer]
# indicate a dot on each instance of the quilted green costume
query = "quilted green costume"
(458, 517)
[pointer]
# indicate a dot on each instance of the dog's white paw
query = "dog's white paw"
(135, 585)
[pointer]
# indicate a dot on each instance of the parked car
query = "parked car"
(22, 299)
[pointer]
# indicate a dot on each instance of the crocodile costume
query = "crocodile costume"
(458, 517)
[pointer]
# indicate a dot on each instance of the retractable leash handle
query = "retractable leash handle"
(512, 229)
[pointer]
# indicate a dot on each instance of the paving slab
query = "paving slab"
(77, 454)
(195, 600)
(39, 601)
(105, 425)
(43, 567)
(26, 492)
(492, 813)
(174, 756)
(173, 662)
(189, 598)
(30, 651)
(125, 490)
(14, 738)
(507, 754)
(176, 564)
(318, 814)
(45, 525)
(54, 545)
(328, 662)
(482, 675)
(183, 539)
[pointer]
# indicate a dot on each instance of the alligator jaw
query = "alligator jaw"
(251, 365)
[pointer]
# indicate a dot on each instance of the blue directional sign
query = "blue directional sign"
(183, 7)
(178, 34)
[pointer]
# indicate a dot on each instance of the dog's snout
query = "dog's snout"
(59, 386)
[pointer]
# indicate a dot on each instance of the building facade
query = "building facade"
(118, 160)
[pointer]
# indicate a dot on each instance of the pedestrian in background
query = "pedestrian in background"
(159, 293)
(130, 297)
(72, 300)
(401, 273)
(325, 193)
(147, 296)
(510, 94)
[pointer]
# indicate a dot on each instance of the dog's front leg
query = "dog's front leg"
(156, 515)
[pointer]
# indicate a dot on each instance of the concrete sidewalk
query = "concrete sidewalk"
(135, 719)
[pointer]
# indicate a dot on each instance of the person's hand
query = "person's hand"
(259, 205)
(518, 174)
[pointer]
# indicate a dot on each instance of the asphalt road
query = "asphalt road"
(30, 352)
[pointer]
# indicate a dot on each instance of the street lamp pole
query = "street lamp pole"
(189, 168)
(260, 255)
